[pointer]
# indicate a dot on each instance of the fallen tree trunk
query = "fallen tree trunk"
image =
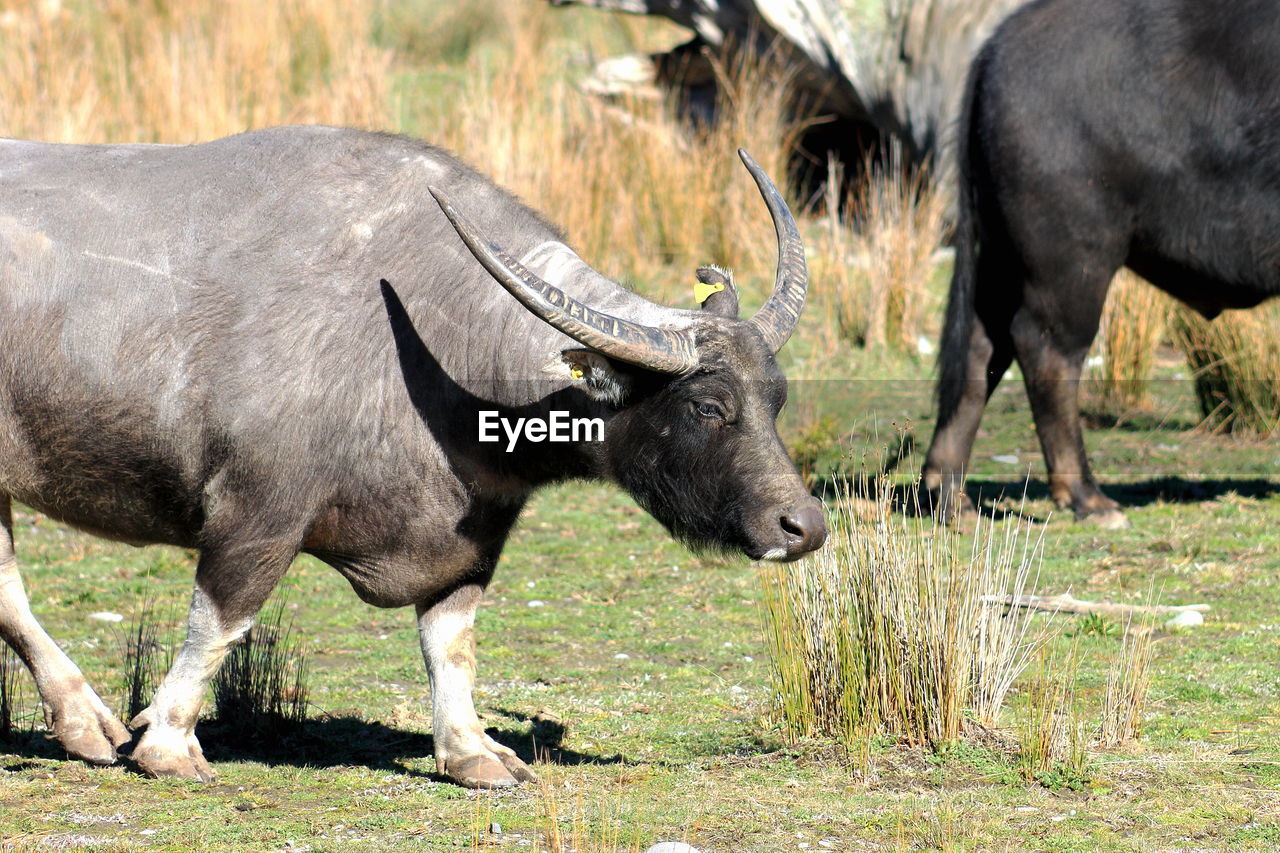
(890, 71)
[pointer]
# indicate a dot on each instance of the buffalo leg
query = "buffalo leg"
(464, 752)
(231, 586)
(73, 712)
(948, 456)
(988, 355)
(1051, 339)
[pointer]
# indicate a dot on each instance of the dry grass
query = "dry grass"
(879, 265)
(1051, 735)
(886, 629)
(1128, 680)
(185, 70)
(1133, 323)
(11, 669)
(1235, 361)
(571, 824)
(636, 191)
(641, 196)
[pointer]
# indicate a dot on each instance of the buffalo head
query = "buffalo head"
(692, 398)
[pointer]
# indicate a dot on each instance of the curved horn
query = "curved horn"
(777, 318)
(662, 350)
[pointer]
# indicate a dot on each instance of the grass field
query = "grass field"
(654, 663)
(636, 673)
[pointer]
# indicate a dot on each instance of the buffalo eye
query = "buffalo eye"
(710, 409)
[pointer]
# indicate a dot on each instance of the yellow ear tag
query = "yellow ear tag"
(576, 371)
(702, 292)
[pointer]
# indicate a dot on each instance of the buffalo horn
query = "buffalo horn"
(777, 318)
(662, 350)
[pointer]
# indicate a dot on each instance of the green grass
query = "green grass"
(677, 740)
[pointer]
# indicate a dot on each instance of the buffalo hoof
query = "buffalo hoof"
(168, 752)
(1109, 518)
(85, 727)
(157, 763)
(499, 768)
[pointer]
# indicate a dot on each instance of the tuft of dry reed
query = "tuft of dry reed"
(1235, 363)
(889, 630)
(879, 263)
(570, 825)
(10, 691)
(1128, 682)
(1133, 324)
(1051, 735)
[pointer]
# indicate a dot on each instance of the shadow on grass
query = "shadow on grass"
(543, 741)
(988, 493)
(1137, 421)
(1172, 489)
(331, 741)
(21, 748)
(326, 741)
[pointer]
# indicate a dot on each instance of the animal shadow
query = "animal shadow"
(542, 741)
(339, 741)
(21, 750)
(333, 741)
(1135, 493)
(989, 495)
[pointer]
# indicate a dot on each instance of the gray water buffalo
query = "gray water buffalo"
(1098, 134)
(280, 342)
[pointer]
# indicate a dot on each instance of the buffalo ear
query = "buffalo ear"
(597, 376)
(716, 292)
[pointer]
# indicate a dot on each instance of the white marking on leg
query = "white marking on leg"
(445, 633)
(73, 711)
(171, 717)
(50, 666)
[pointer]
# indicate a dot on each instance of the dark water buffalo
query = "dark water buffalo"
(1098, 134)
(277, 343)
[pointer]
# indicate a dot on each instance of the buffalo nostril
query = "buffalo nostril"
(805, 527)
(793, 527)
